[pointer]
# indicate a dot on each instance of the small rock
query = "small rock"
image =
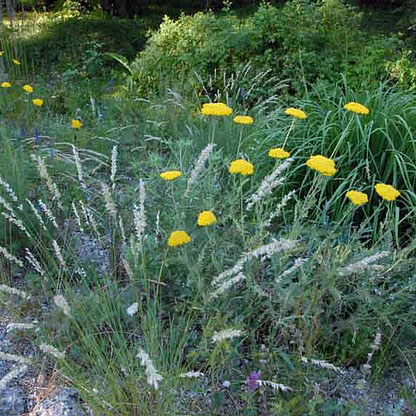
(12, 401)
(65, 402)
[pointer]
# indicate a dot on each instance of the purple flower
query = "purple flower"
(37, 138)
(252, 380)
(23, 131)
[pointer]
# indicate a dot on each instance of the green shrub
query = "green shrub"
(303, 42)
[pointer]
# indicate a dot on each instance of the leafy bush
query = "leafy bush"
(302, 41)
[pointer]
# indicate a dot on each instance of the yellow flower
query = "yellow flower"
(38, 102)
(177, 238)
(387, 192)
(216, 109)
(1, 53)
(295, 112)
(357, 108)
(16, 62)
(322, 165)
(357, 198)
(6, 84)
(243, 120)
(206, 218)
(28, 88)
(241, 166)
(278, 153)
(170, 175)
(76, 124)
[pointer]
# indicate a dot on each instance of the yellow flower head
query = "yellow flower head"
(322, 165)
(38, 102)
(16, 62)
(170, 175)
(241, 166)
(243, 120)
(28, 88)
(357, 198)
(216, 109)
(357, 108)
(177, 238)
(387, 192)
(278, 153)
(206, 218)
(6, 84)
(1, 53)
(76, 124)
(295, 112)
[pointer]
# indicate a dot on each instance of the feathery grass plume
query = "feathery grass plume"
(18, 223)
(89, 218)
(61, 303)
(37, 215)
(19, 326)
(77, 217)
(109, 202)
(139, 214)
(10, 257)
(79, 167)
(7, 205)
(364, 264)
(273, 385)
(227, 334)
(297, 264)
(227, 284)
(114, 155)
(127, 268)
(132, 309)
(279, 208)
(12, 357)
(58, 254)
(12, 291)
(14, 373)
(322, 364)
(33, 262)
(374, 347)
(229, 272)
(51, 350)
(268, 184)
(8, 189)
(266, 250)
(48, 213)
(153, 377)
(121, 225)
(44, 174)
(199, 165)
(191, 374)
(157, 226)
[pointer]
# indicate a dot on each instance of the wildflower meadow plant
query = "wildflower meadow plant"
(357, 108)
(241, 166)
(216, 109)
(296, 113)
(170, 175)
(387, 192)
(278, 153)
(178, 238)
(322, 164)
(357, 198)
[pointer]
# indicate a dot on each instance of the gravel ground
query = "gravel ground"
(30, 393)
